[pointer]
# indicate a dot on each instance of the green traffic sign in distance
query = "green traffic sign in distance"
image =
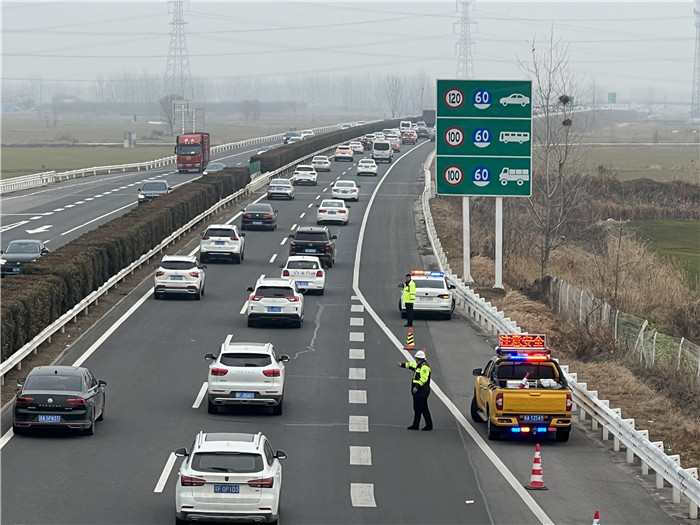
(484, 98)
(487, 177)
(484, 137)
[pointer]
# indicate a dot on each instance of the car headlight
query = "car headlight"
(2, 261)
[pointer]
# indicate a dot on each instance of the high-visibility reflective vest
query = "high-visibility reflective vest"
(421, 377)
(409, 292)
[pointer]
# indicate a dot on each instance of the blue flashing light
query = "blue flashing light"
(428, 273)
(515, 429)
(541, 429)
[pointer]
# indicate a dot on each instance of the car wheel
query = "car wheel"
(277, 409)
(178, 521)
(198, 295)
(242, 257)
(298, 323)
(493, 431)
(330, 263)
(18, 430)
(212, 408)
(475, 410)
(90, 431)
(320, 292)
(250, 323)
(563, 434)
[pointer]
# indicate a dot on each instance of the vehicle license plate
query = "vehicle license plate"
(50, 419)
(425, 298)
(226, 489)
(219, 243)
(332, 212)
(15, 270)
(274, 308)
(277, 189)
(176, 277)
(534, 418)
(310, 250)
(257, 223)
(245, 395)
(344, 191)
(302, 283)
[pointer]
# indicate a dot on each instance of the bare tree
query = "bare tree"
(166, 109)
(558, 180)
(394, 95)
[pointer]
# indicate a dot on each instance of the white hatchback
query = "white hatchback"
(367, 166)
(304, 174)
(179, 274)
(307, 271)
(246, 374)
(345, 189)
(321, 163)
(222, 241)
(275, 300)
(332, 210)
(229, 477)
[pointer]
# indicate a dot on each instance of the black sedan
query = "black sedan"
(259, 215)
(58, 397)
(20, 252)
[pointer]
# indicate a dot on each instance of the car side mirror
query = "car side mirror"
(242, 234)
(181, 452)
(477, 372)
(451, 287)
(203, 266)
(21, 381)
(318, 205)
(281, 454)
(102, 383)
(283, 357)
(250, 289)
(209, 356)
(348, 206)
(334, 236)
(44, 251)
(400, 285)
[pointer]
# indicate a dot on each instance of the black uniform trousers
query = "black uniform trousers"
(409, 313)
(420, 407)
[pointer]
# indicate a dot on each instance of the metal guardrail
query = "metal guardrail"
(636, 442)
(42, 179)
(15, 360)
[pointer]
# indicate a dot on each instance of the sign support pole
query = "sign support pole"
(466, 244)
(499, 244)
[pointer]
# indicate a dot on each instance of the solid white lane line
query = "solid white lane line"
(245, 307)
(357, 308)
(200, 396)
(358, 423)
(362, 495)
(6, 437)
(540, 514)
(357, 397)
(357, 336)
(357, 353)
(357, 373)
(357, 321)
(360, 456)
(166, 472)
(272, 259)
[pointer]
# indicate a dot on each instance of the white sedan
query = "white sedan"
(307, 271)
(332, 210)
(367, 166)
(321, 163)
(356, 147)
(304, 174)
(345, 189)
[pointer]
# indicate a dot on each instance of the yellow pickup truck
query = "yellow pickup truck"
(522, 390)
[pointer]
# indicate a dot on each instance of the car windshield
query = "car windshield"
(429, 283)
(381, 145)
(320, 159)
(246, 359)
(153, 186)
(332, 204)
(259, 208)
(215, 166)
(310, 236)
(23, 247)
(279, 182)
(220, 232)
(345, 184)
(274, 291)
(177, 265)
(55, 382)
(366, 162)
(305, 168)
(227, 462)
(302, 265)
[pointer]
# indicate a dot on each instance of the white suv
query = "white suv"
(179, 274)
(228, 477)
(275, 300)
(304, 174)
(246, 374)
(222, 241)
(433, 294)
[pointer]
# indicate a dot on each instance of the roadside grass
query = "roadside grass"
(661, 162)
(676, 240)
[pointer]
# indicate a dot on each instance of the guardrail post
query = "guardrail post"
(606, 432)
(581, 411)
(630, 453)
(645, 467)
(616, 440)
(692, 508)
(594, 421)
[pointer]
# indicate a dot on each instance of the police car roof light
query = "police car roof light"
(522, 354)
(428, 272)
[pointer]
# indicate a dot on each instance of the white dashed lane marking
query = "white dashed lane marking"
(294, 227)
(357, 321)
(357, 308)
(362, 495)
(200, 395)
(360, 456)
(310, 205)
(272, 259)
(358, 423)
(356, 353)
(357, 397)
(359, 374)
(301, 216)
(357, 336)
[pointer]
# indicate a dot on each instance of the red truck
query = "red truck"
(192, 150)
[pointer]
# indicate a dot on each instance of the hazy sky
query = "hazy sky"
(628, 47)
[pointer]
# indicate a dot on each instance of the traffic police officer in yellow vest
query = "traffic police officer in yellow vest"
(420, 389)
(409, 297)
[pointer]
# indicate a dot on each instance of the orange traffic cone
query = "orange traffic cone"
(536, 481)
(524, 383)
(596, 518)
(409, 339)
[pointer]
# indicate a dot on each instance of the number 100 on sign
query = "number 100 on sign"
(453, 175)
